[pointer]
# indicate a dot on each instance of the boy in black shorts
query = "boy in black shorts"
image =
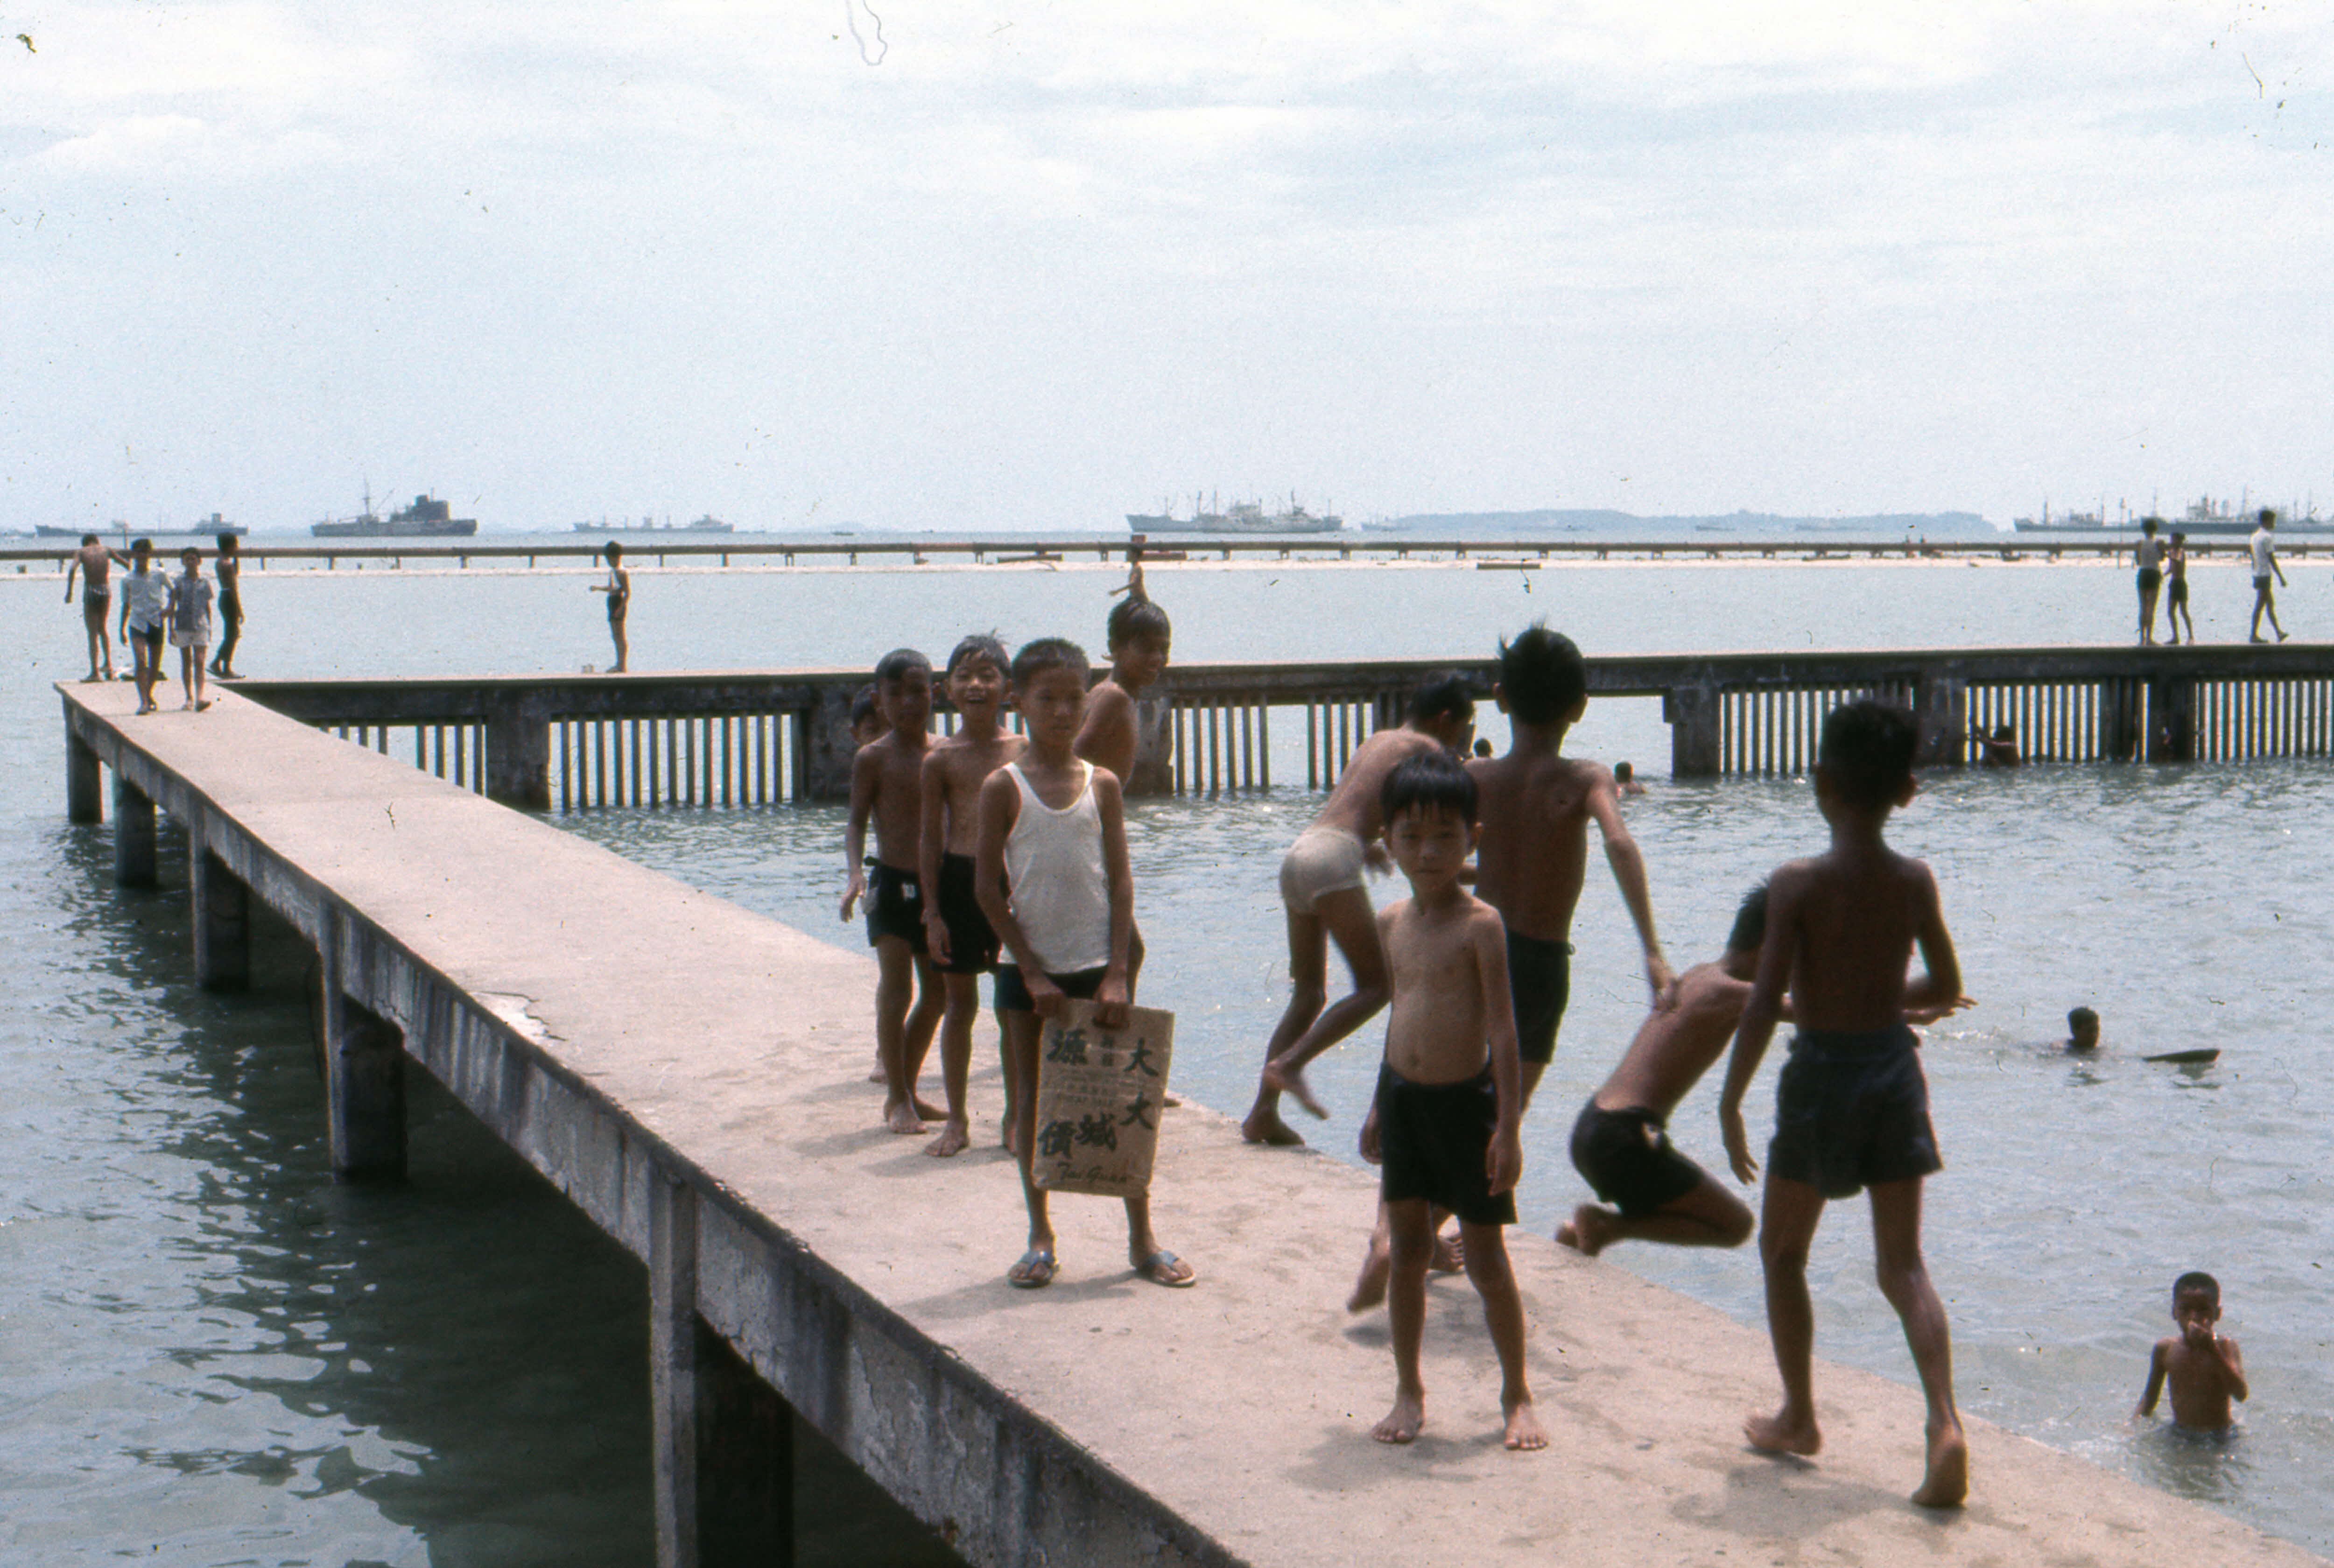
(886, 781)
(956, 933)
(1445, 1128)
(1853, 1108)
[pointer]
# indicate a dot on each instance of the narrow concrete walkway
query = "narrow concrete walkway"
(1235, 1415)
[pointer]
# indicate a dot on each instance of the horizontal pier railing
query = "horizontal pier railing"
(763, 738)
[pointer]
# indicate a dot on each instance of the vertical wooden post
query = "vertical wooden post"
(518, 754)
(364, 1070)
(2172, 712)
(221, 920)
(1940, 715)
(1693, 715)
(827, 748)
(84, 792)
(133, 835)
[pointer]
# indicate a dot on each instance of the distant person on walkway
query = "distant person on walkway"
(94, 562)
(887, 783)
(145, 611)
(2263, 545)
(1999, 749)
(2150, 557)
(1853, 1108)
(958, 936)
(2082, 1031)
(2205, 1369)
(1448, 1115)
(1053, 878)
(190, 624)
(2177, 596)
(1321, 884)
(230, 607)
(1625, 779)
(619, 590)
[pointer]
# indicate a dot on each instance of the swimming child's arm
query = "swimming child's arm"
(1110, 1000)
(1503, 1162)
(866, 774)
(1760, 1013)
(1940, 986)
(2155, 1368)
(1628, 864)
(930, 840)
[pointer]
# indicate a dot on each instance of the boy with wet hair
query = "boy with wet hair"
(1853, 1108)
(1445, 1128)
(1140, 636)
(887, 783)
(1052, 879)
(2204, 1368)
(1321, 886)
(2082, 1031)
(957, 934)
(1538, 806)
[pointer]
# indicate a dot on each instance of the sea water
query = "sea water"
(213, 1354)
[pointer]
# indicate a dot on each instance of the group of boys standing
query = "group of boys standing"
(153, 605)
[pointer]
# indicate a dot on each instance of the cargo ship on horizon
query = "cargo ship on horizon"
(1243, 518)
(425, 519)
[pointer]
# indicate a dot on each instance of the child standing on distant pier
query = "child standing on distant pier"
(2176, 590)
(94, 562)
(1052, 829)
(886, 781)
(1852, 1110)
(619, 590)
(2149, 555)
(230, 605)
(145, 611)
(2263, 545)
(2205, 1369)
(1449, 1103)
(190, 624)
(956, 933)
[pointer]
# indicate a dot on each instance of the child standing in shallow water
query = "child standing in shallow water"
(1450, 1102)
(1052, 825)
(1852, 1110)
(2206, 1369)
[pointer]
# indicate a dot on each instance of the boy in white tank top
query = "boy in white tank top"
(1053, 879)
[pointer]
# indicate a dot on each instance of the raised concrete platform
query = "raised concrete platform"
(692, 1075)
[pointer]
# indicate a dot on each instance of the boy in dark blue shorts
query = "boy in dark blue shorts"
(1853, 1108)
(886, 783)
(1444, 1129)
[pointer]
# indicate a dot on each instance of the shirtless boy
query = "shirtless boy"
(230, 606)
(1538, 805)
(1321, 885)
(2206, 1369)
(2148, 554)
(956, 933)
(1449, 1105)
(619, 590)
(94, 563)
(887, 782)
(1110, 735)
(2175, 589)
(1853, 1111)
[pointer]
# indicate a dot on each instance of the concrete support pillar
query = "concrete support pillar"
(133, 835)
(2172, 719)
(364, 1073)
(822, 746)
(1692, 712)
(518, 754)
(2119, 736)
(1941, 714)
(724, 1439)
(84, 792)
(221, 922)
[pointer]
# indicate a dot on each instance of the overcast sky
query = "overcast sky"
(1016, 264)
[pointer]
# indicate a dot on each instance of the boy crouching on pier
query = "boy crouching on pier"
(1450, 1102)
(1052, 878)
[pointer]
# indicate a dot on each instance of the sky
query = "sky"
(1012, 266)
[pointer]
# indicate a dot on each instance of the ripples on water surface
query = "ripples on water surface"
(215, 1355)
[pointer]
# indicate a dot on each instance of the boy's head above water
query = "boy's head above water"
(1865, 759)
(2082, 1030)
(1543, 680)
(2196, 1295)
(1138, 623)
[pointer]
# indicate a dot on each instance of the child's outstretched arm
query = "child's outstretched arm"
(1938, 991)
(1760, 1013)
(866, 772)
(2147, 1396)
(1628, 864)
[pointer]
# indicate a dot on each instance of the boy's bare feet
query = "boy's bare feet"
(876, 1074)
(1588, 1231)
(1450, 1254)
(929, 1112)
(1290, 1081)
(903, 1120)
(1270, 1129)
(1524, 1431)
(1370, 1285)
(1012, 1138)
(1402, 1422)
(955, 1139)
(1783, 1433)
(1947, 1482)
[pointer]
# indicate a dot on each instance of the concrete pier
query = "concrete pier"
(692, 1076)
(221, 912)
(133, 834)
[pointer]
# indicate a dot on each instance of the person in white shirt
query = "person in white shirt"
(2265, 566)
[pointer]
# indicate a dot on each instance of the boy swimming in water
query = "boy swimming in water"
(1853, 1108)
(2205, 1369)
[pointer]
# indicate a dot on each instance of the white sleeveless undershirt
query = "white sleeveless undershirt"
(1059, 888)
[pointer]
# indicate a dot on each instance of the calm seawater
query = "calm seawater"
(210, 1354)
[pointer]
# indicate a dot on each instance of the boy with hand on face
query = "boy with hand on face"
(2204, 1369)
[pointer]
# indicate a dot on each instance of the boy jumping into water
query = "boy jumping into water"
(1448, 1104)
(1051, 828)
(1853, 1111)
(2206, 1369)
(886, 781)
(94, 562)
(1321, 884)
(956, 933)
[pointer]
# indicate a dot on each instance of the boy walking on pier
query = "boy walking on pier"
(190, 624)
(886, 781)
(2263, 545)
(1852, 1110)
(145, 611)
(1051, 829)
(1321, 884)
(94, 563)
(956, 933)
(1449, 1103)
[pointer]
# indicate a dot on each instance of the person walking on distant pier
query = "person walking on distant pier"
(230, 607)
(94, 562)
(2150, 557)
(145, 608)
(619, 590)
(189, 613)
(2265, 566)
